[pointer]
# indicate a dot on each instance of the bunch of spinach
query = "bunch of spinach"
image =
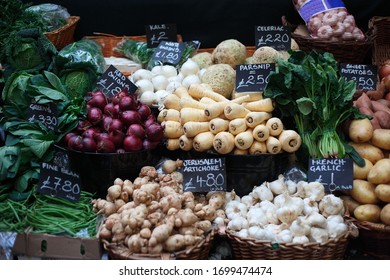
(29, 142)
(310, 89)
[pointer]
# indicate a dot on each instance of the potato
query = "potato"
(349, 203)
(364, 192)
(381, 138)
(380, 172)
(360, 130)
(362, 172)
(368, 213)
(368, 151)
(385, 214)
(382, 191)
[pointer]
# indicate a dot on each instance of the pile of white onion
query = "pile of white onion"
(155, 84)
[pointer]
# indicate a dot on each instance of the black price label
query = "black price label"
(43, 113)
(365, 76)
(277, 37)
(113, 81)
(333, 173)
(59, 181)
(253, 77)
(204, 175)
(156, 33)
(169, 52)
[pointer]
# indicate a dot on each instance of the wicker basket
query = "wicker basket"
(63, 36)
(197, 252)
(109, 42)
(381, 46)
(345, 51)
(250, 249)
(374, 239)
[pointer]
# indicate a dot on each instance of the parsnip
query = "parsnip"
(223, 142)
(173, 144)
(257, 148)
(171, 101)
(192, 114)
(172, 129)
(290, 140)
(218, 124)
(261, 132)
(237, 126)
(255, 118)
(263, 105)
(203, 141)
(234, 110)
(273, 145)
(275, 126)
(168, 115)
(244, 139)
(198, 91)
(189, 102)
(191, 128)
(185, 143)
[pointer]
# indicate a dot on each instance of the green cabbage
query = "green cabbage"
(78, 82)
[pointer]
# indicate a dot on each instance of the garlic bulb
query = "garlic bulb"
(291, 187)
(309, 206)
(284, 236)
(316, 220)
(256, 217)
(252, 231)
(277, 186)
(314, 190)
(331, 205)
(248, 200)
(319, 235)
(270, 211)
(300, 227)
(270, 232)
(262, 192)
(235, 208)
(336, 226)
(300, 239)
(238, 223)
(301, 189)
(290, 209)
(231, 196)
(243, 233)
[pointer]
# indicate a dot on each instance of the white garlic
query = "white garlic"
(331, 205)
(314, 190)
(300, 227)
(256, 217)
(278, 186)
(235, 208)
(319, 235)
(300, 239)
(316, 220)
(262, 192)
(238, 223)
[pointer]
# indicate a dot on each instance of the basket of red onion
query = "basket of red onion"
(116, 139)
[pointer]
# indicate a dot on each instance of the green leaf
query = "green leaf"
(50, 93)
(55, 81)
(22, 183)
(38, 147)
(305, 105)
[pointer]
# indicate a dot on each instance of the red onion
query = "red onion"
(117, 97)
(144, 111)
(132, 143)
(116, 124)
(94, 115)
(106, 123)
(83, 125)
(154, 132)
(89, 144)
(120, 151)
(151, 119)
(111, 110)
(129, 117)
(68, 136)
(105, 146)
(127, 103)
(76, 143)
(101, 136)
(137, 130)
(116, 137)
(90, 132)
(98, 101)
(93, 93)
(149, 145)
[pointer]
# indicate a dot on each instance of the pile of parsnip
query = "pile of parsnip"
(202, 119)
(283, 211)
(152, 214)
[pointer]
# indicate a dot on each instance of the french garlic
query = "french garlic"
(309, 206)
(331, 205)
(291, 187)
(319, 235)
(248, 200)
(262, 192)
(256, 217)
(314, 191)
(302, 239)
(243, 233)
(300, 227)
(316, 220)
(234, 208)
(336, 226)
(237, 223)
(278, 186)
(284, 236)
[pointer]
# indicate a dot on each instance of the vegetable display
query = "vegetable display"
(371, 185)
(310, 89)
(115, 125)
(285, 211)
(152, 214)
(243, 125)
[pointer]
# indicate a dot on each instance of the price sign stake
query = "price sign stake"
(156, 33)
(277, 37)
(204, 175)
(253, 77)
(169, 52)
(365, 76)
(113, 81)
(46, 114)
(59, 181)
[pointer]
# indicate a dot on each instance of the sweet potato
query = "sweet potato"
(363, 101)
(377, 106)
(383, 118)
(384, 102)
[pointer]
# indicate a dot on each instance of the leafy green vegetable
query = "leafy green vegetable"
(135, 50)
(310, 89)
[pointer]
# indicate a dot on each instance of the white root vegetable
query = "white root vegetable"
(234, 208)
(331, 205)
(277, 186)
(256, 217)
(262, 192)
(315, 191)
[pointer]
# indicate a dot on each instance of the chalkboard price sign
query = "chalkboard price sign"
(156, 33)
(365, 76)
(113, 81)
(169, 52)
(253, 77)
(334, 173)
(277, 37)
(43, 113)
(204, 175)
(59, 181)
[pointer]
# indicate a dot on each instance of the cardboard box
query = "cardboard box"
(46, 246)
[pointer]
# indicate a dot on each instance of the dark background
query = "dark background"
(205, 20)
